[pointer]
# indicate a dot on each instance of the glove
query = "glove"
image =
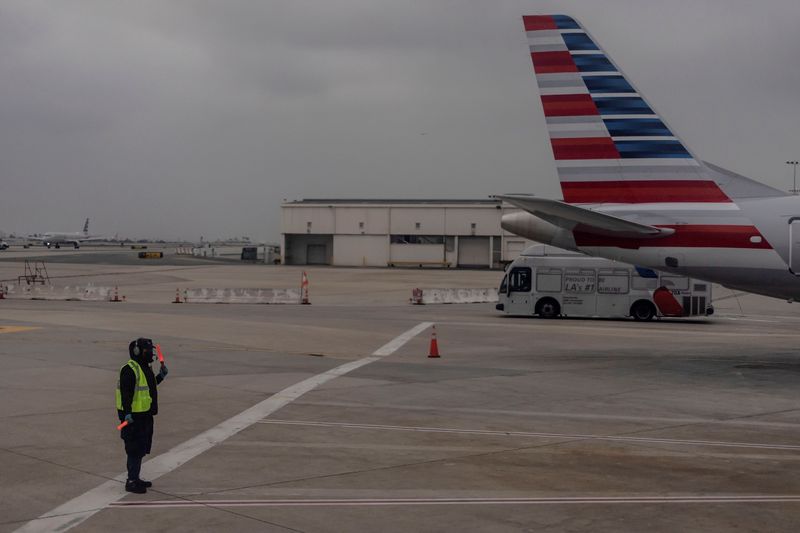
(163, 372)
(129, 419)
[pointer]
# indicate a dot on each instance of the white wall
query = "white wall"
(382, 220)
(375, 220)
(404, 221)
(460, 220)
(360, 250)
(417, 252)
(296, 219)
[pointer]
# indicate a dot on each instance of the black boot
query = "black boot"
(147, 484)
(135, 486)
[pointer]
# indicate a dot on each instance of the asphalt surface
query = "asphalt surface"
(521, 425)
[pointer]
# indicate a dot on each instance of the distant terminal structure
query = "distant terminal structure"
(397, 233)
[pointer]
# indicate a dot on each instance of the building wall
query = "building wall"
(411, 253)
(404, 221)
(362, 220)
(296, 220)
(361, 250)
(460, 219)
(360, 235)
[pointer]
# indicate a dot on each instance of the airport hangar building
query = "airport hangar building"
(390, 232)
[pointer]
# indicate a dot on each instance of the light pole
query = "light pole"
(794, 176)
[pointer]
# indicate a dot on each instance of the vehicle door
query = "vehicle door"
(613, 286)
(579, 298)
(520, 299)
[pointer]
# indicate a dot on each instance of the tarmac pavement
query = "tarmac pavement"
(521, 425)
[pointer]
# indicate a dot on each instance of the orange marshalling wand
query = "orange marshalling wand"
(125, 423)
(160, 355)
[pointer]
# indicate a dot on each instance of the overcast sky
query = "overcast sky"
(185, 118)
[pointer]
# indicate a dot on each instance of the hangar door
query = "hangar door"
(317, 254)
(473, 252)
(309, 249)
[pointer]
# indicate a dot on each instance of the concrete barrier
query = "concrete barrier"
(52, 292)
(243, 296)
(454, 296)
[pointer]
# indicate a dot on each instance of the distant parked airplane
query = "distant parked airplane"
(634, 192)
(54, 238)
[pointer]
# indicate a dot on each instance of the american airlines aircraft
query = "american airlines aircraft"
(634, 192)
(58, 238)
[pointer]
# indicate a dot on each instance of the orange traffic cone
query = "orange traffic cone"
(116, 297)
(434, 349)
(177, 299)
(304, 290)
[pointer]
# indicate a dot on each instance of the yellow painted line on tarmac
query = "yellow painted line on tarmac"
(15, 329)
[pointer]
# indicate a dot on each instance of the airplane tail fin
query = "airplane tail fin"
(86, 227)
(610, 146)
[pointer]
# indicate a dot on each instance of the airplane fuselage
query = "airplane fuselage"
(56, 239)
(750, 245)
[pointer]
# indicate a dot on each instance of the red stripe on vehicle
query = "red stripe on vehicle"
(641, 191)
(667, 303)
(539, 22)
(686, 235)
(568, 105)
(584, 148)
(553, 62)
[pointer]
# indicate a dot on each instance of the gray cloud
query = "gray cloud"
(182, 119)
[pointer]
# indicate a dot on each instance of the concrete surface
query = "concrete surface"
(522, 425)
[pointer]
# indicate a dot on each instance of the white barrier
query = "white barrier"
(454, 296)
(243, 296)
(52, 292)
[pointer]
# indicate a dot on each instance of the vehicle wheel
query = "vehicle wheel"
(58, 246)
(548, 308)
(643, 311)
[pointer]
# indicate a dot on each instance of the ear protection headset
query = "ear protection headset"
(141, 345)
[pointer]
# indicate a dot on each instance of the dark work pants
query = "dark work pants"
(138, 439)
(134, 467)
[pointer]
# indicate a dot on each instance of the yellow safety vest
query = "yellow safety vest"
(141, 393)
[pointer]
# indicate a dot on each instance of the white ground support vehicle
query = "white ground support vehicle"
(550, 282)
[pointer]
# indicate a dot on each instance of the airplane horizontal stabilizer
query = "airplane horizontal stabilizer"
(572, 217)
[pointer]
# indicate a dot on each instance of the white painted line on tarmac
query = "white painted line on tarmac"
(78, 509)
(743, 319)
(620, 438)
(571, 500)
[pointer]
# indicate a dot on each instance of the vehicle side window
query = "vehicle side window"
(579, 280)
(519, 280)
(613, 281)
(548, 280)
(639, 283)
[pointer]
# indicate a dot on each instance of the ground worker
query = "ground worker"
(137, 404)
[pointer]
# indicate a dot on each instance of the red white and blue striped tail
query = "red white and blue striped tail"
(610, 146)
